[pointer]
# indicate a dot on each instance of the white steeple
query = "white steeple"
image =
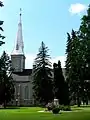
(19, 46)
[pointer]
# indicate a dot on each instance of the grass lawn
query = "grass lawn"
(82, 113)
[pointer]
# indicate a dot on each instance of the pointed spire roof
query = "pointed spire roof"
(19, 46)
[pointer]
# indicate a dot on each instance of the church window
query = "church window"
(26, 92)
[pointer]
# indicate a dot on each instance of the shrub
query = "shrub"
(56, 110)
(61, 107)
(66, 108)
(49, 106)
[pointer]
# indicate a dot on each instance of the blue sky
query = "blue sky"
(43, 20)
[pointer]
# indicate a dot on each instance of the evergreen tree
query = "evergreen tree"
(1, 23)
(68, 57)
(78, 60)
(60, 86)
(73, 66)
(42, 76)
(6, 80)
(84, 36)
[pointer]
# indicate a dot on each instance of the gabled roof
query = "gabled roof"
(26, 72)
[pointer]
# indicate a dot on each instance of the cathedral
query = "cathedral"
(22, 77)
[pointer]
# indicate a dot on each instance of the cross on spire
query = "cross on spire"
(20, 11)
(20, 15)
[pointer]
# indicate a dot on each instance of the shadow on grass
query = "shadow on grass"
(57, 113)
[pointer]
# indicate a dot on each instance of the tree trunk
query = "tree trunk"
(78, 100)
(78, 103)
(86, 100)
(83, 100)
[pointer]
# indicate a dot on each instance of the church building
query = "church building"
(21, 76)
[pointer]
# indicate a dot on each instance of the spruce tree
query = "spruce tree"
(68, 57)
(78, 60)
(42, 76)
(6, 80)
(73, 66)
(1, 23)
(84, 36)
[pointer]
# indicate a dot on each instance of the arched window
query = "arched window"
(26, 92)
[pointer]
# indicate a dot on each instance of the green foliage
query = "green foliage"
(1, 23)
(60, 85)
(55, 110)
(65, 108)
(78, 61)
(84, 36)
(42, 76)
(74, 66)
(6, 80)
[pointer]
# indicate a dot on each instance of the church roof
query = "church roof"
(26, 72)
(19, 46)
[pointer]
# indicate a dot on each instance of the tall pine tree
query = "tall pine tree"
(78, 60)
(84, 36)
(42, 76)
(73, 66)
(6, 80)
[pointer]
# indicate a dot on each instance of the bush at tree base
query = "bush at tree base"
(56, 110)
(49, 106)
(65, 108)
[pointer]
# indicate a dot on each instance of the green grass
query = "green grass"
(82, 113)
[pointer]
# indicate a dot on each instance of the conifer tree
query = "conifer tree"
(42, 76)
(78, 60)
(60, 86)
(84, 36)
(6, 80)
(73, 66)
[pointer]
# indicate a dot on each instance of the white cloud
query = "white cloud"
(30, 59)
(77, 8)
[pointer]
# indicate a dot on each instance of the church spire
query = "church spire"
(19, 46)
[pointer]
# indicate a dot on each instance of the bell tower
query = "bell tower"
(17, 55)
